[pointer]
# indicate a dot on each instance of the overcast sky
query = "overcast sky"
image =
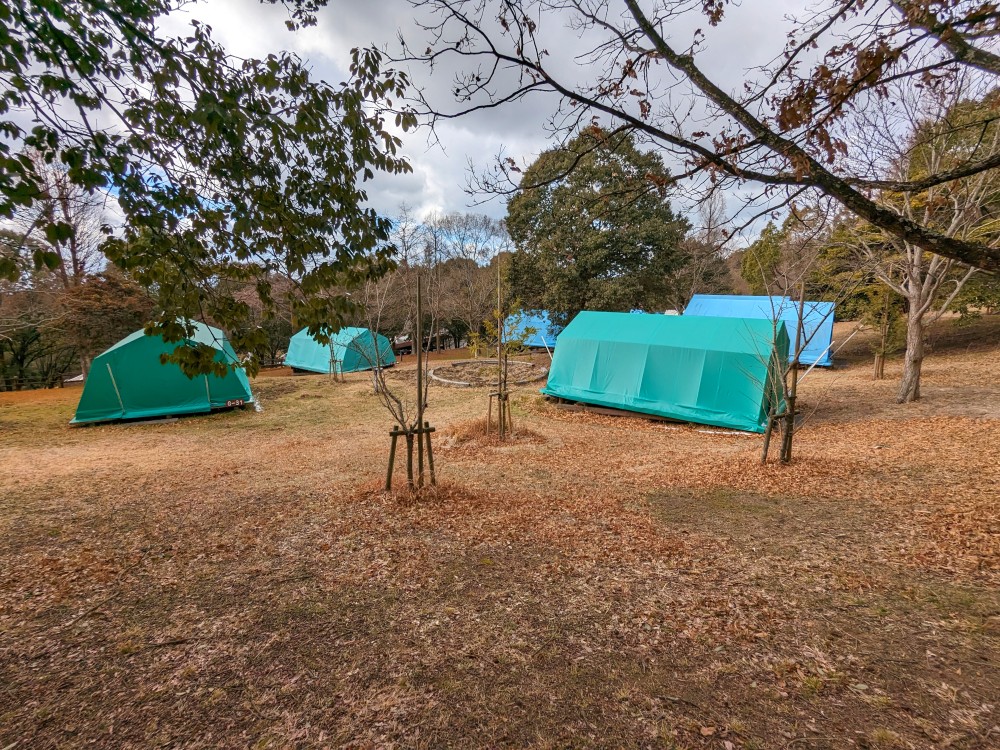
(749, 36)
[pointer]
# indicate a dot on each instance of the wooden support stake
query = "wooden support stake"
(409, 459)
(392, 458)
(430, 451)
(420, 458)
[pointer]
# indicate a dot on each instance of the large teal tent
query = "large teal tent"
(128, 380)
(350, 350)
(716, 371)
(817, 319)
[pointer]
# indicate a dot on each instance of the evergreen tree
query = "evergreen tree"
(593, 228)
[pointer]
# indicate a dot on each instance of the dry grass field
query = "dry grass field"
(237, 580)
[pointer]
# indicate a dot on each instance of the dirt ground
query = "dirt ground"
(237, 580)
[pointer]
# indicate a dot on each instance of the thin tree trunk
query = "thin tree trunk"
(793, 388)
(909, 386)
(420, 384)
(883, 346)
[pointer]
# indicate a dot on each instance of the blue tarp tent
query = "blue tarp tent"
(350, 350)
(543, 334)
(818, 316)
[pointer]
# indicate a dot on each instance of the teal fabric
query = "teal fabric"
(127, 381)
(350, 350)
(716, 371)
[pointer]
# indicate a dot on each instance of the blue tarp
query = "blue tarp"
(543, 334)
(818, 327)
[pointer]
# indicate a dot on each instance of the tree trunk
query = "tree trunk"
(909, 386)
(883, 347)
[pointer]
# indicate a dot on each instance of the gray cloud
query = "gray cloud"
(751, 35)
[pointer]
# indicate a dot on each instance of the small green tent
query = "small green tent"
(128, 381)
(715, 371)
(350, 350)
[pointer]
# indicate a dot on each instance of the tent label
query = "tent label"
(235, 402)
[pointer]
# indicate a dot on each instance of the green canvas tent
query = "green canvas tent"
(714, 371)
(350, 350)
(128, 382)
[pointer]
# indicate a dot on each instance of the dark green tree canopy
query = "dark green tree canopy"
(761, 263)
(223, 167)
(594, 229)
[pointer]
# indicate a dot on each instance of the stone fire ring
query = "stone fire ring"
(438, 373)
